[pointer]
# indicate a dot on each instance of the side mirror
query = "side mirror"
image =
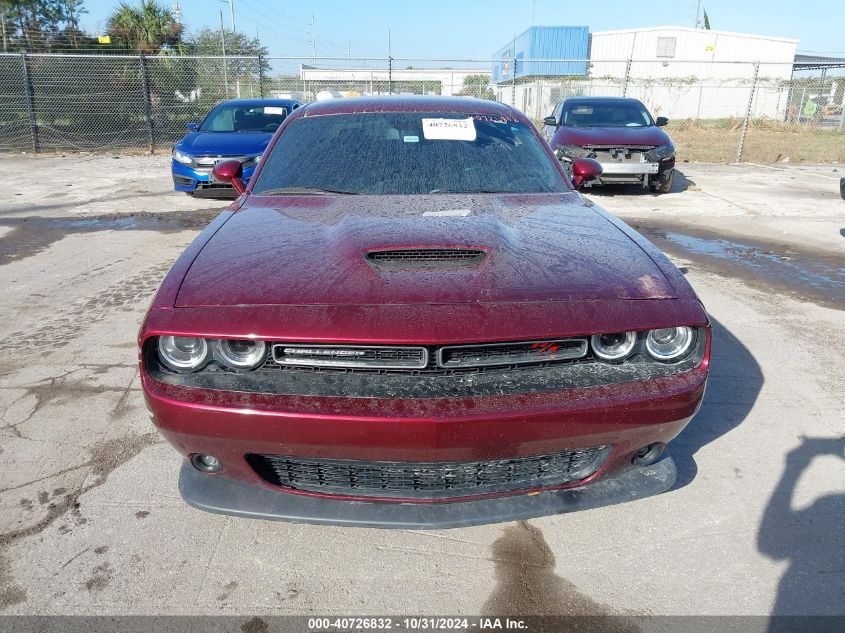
(550, 121)
(585, 170)
(661, 121)
(193, 126)
(230, 171)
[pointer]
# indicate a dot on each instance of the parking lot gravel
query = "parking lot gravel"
(91, 521)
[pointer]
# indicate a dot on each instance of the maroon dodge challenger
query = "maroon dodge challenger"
(411, 318)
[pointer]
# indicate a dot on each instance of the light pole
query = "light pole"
(237, 69)
(223, 45)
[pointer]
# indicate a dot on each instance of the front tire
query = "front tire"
(664, 186)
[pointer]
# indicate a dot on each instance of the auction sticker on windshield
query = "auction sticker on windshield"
(449, 129)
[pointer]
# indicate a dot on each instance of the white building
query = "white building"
(693, 73)
(677, 72)
(372, 81)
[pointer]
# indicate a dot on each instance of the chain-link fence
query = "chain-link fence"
(718, 111)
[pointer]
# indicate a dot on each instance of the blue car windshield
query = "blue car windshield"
(227, 118)
(409, 153)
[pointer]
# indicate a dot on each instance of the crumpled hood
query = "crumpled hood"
(609, 136)
(311, 250)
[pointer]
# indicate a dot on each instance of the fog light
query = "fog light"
(206, 463)
(647, 455)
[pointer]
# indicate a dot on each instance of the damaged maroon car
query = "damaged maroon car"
(410, 318)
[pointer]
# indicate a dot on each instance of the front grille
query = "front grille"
(428, 360)
(350, 356)
(510, 353)
(425, 257)
(182, 180)
(427, 480)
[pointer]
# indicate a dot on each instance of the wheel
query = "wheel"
(664, 186)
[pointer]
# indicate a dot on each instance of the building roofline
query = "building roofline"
(689, 28)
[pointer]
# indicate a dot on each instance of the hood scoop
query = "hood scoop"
(424, 258)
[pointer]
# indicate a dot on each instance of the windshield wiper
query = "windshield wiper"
(466, 191)
(295, 190)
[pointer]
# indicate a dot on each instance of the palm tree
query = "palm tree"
(146, 27)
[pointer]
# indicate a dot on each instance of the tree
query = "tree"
(146, 28)
(477, 86)
(706, 21)
(209, 42)
(41, 25)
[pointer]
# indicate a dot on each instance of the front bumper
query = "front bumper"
(192, 179)
(626, 417)
(223, 495)
(615, 172)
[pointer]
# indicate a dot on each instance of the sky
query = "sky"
(459, 29)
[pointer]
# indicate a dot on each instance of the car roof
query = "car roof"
(258, 102)
(407, 103)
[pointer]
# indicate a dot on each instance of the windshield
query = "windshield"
(225, 118)
(606, 114)
(408, 153)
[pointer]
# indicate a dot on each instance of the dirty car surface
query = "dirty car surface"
(410, 318)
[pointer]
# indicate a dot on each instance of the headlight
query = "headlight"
(614, 346)
(669, 343)
(249, 162)
(571, 152)
(182, 157)
(663, 152)
(182, 353)
(241, 354)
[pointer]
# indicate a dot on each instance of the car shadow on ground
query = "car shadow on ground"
(733, 385)
(810, 538)
(680, 184)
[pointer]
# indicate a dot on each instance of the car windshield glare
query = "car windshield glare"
(604, 114)
(263, 118)
(408, 153)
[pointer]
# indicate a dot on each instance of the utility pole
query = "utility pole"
(533, 7)
(234, 30)
(389, 65)
(232, 14)
(313, 41)
(223, 46)
(697, 13)
(3, 25)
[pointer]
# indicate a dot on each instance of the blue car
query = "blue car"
(238, 129)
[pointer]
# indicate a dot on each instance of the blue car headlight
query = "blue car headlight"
(663, 152)
(250, 162)
(182, 157)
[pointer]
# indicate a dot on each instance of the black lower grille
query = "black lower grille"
(427, 480)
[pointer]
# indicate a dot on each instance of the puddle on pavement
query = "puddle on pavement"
(31, 235)
(813, 276)
(526, 584)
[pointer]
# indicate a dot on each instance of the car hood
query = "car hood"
(224, 143)
(610, 136)
(311, 250)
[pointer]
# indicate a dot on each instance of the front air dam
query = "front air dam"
(225, 495)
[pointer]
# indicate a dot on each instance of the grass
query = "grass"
(766, 141)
